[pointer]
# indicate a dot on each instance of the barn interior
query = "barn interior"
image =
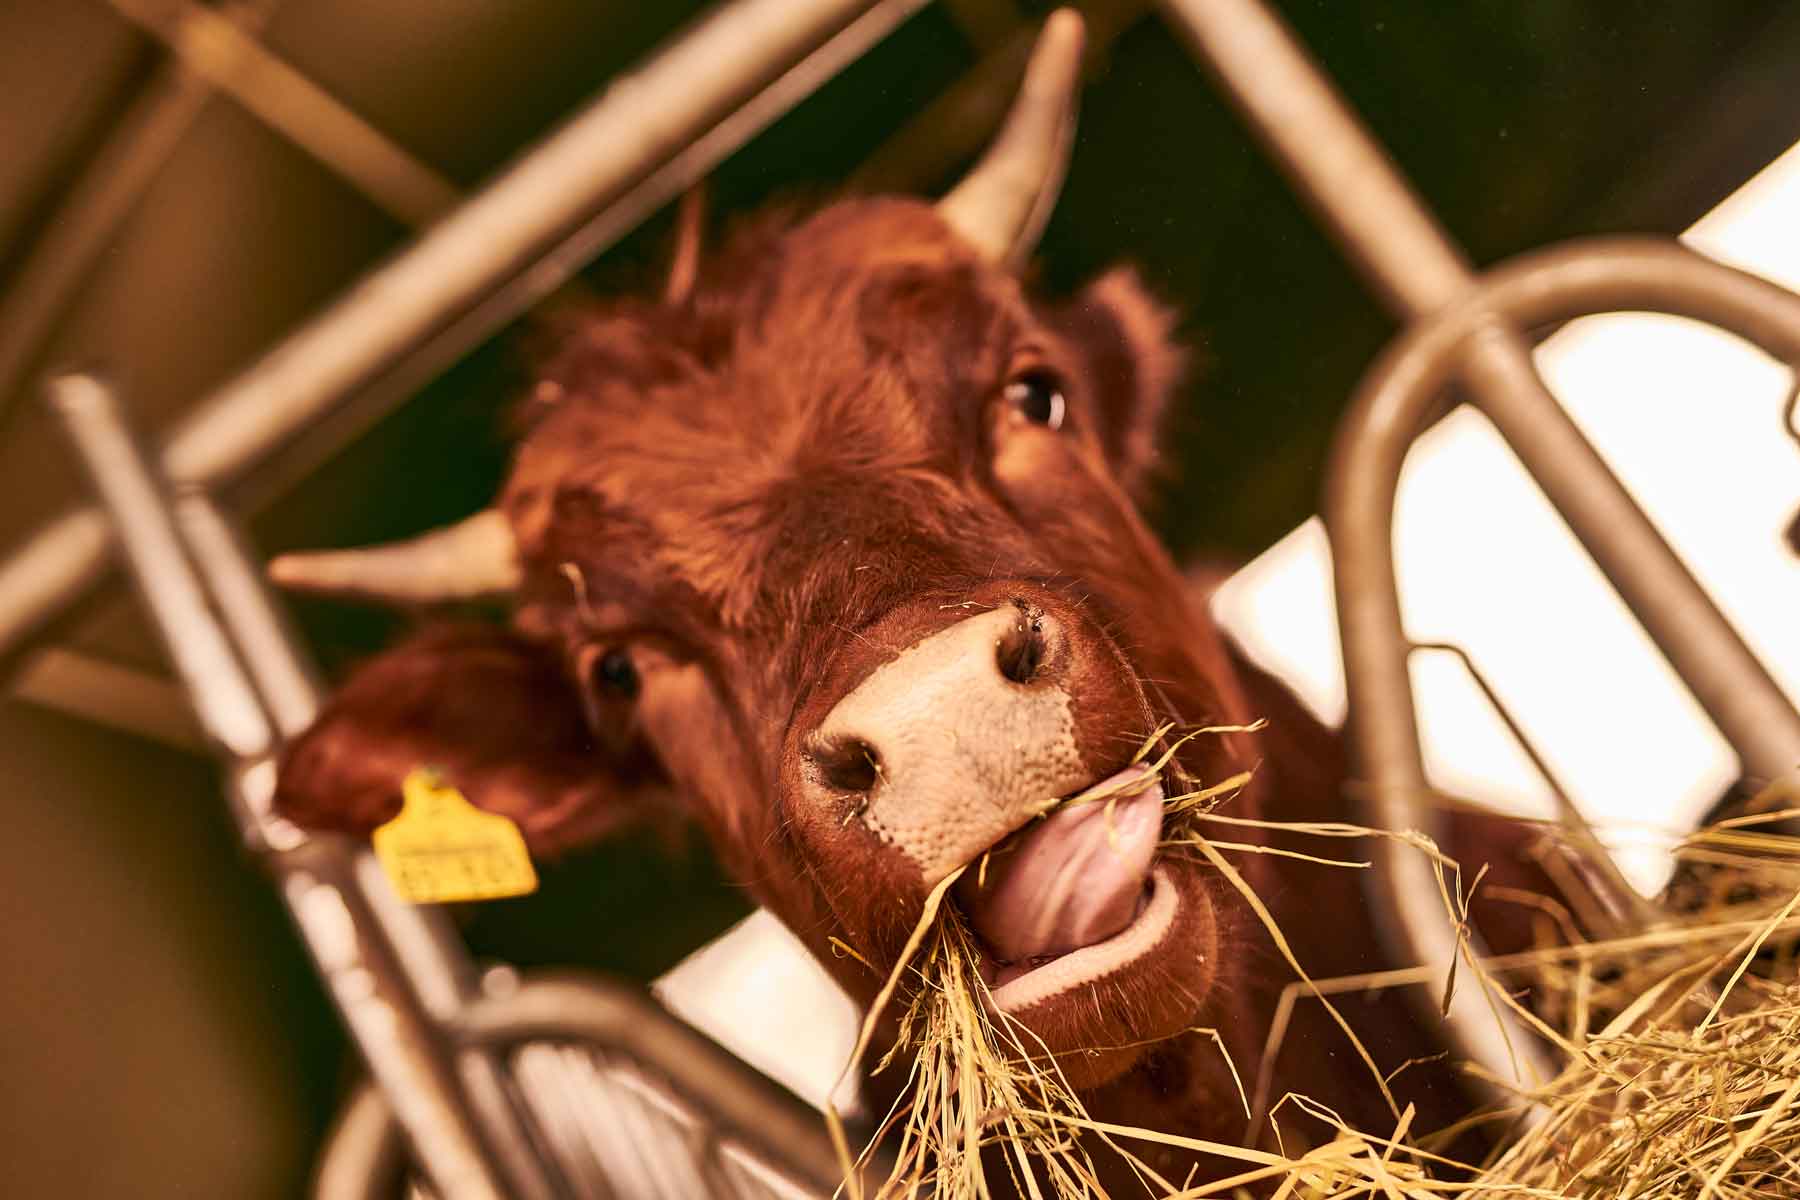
(161, 1032)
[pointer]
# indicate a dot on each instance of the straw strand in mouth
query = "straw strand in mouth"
(980, 1079)
(1673, 1089)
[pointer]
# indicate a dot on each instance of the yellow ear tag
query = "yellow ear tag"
(442, 849)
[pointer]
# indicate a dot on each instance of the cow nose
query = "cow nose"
(960, 738)
(1026, 648)
(969, 664)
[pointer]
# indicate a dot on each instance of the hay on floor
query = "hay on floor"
(1682, 1045)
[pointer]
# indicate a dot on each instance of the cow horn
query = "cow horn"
(470, 560)
(1001, 205)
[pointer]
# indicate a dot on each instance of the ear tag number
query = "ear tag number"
(442, 849)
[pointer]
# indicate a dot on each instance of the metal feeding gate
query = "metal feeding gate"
(494, 1085)
(503, 1086)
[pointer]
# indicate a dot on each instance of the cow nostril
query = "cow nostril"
(850, 765)
(1021, 651)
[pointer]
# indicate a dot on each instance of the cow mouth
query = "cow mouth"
(1072, 897)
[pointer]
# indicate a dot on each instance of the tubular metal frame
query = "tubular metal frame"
(738, 1108)
(1389, 235)
(1396, 401)
(316, 878)
(107, 191)
(652, 133)
(433, 1041)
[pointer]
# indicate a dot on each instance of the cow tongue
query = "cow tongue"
(1071, 880)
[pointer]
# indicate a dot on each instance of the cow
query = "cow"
(838, 553)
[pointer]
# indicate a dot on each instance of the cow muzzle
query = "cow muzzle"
(996, 733)
(993, 714)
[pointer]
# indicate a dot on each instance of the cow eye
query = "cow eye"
(608, 681)
(607, 675)
(616, 673)
(1037, 397)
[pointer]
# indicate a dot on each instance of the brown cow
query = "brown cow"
(838, 555)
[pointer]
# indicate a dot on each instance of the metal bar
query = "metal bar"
(420, 939)
(108, 190)
(319, 441)
(314, 877)
(518, 228)
(1728, 680)
(740, 1103)
(1391, 407)
(735, 1100)
(109, 693)
(1635, 274)
(1360, 195)
(426, 945)
(288, 684)
(631, 1031)
(230, 714)
(1390, 236)
(362, 1159)
(217, 48)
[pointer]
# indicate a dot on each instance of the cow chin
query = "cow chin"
(1092, 1013)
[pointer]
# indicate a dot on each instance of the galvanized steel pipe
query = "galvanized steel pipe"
(1395, 402)
(1397, 398)
(1388, 233)
(513, 229)
(315, 879)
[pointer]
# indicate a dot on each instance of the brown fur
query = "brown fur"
(763, 489)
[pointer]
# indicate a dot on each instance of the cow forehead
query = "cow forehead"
(831, 418)
(771, 547)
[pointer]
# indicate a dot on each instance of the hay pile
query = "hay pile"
(1682, 1043)
(1688, 1086)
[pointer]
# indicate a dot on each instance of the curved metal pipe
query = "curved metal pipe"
(749, 1108)
(595, 1013)
(1391, 406)
(314, 878)
(363, 1157)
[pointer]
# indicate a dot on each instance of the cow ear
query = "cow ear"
(1131, 366)
(496, 716)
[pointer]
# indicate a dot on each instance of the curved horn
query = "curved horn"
(470, 560)
(1001, 205)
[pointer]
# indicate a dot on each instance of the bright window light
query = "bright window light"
(1691, 420)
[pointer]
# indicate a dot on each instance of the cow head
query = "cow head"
(839, 553)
